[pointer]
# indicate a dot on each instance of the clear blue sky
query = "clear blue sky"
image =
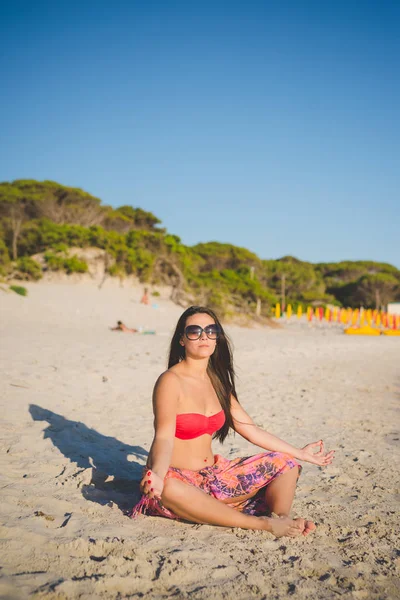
(270, 125)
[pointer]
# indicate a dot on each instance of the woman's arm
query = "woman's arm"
(165, 403)
(245, 426)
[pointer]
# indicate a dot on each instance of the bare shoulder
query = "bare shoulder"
(166, 394)
(167, 382)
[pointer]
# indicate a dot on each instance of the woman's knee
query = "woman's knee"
(290, 461)
(290, 471)
(173, 489)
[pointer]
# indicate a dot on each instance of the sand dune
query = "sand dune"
(76, 426)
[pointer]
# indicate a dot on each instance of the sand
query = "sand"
(76, 425)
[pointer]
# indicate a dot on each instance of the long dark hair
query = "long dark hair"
(220, 365)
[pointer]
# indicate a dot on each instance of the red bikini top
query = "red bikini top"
(192, 425)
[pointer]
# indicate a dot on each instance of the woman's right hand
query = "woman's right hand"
(152, 484)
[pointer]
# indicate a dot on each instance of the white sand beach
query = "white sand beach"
(76, 426)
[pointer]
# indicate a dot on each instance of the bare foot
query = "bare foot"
(309, 527)
(285, 526)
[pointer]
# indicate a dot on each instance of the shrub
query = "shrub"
(57, 262)
(18, 289)
(75, 265)
(40, 234)
(116, 270)
(4, 256)
(29, 267)
(60, 247)
(54, 262)
(216, 301)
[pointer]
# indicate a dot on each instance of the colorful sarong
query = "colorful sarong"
(227, 480)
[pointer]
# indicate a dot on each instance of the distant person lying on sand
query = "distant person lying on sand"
(194, 400)
(121, 327)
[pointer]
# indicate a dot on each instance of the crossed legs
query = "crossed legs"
(192, 504)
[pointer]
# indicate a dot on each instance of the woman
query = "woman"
(121, 327)
(194, 400)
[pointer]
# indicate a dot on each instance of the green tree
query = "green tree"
(371, 291)
(23, 200)
(17, 206)
(298, 280)
(125, 218)
(225, 256)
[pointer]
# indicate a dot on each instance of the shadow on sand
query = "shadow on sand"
(116, 468)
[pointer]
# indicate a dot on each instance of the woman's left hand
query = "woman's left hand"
(151, 485)
(321, 457)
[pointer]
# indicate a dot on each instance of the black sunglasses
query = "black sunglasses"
(194, 332)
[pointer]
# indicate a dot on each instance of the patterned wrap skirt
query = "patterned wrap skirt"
(226, 480)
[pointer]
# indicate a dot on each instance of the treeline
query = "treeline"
(46, 217)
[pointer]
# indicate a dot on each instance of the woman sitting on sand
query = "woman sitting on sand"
(194, 400)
